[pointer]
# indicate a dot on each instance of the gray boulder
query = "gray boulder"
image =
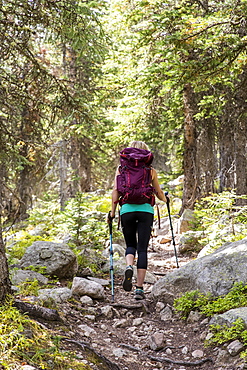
(215, 273)
(229, 317)
(58, 258)
(56, 295)
(21, 276)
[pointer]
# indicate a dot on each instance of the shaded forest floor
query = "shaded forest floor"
(120, 338)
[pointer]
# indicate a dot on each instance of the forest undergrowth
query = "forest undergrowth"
(83, 225)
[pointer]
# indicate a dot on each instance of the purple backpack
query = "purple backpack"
(134, 181)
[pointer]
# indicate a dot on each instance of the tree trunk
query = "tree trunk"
(241, 139)
(207, 157)
(24, 183)
(5, 285)
(63, 191)
(191, 180)
(226, 152)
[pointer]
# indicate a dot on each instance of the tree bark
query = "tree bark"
(191, 180)
(63, 191)
(5, 285)
(241, 140)
(226, 152)
(207, 157)
(80, 165)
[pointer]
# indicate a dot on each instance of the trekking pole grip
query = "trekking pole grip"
(110, 221)
(167, 198)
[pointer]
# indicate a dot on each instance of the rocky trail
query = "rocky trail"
(134, 335)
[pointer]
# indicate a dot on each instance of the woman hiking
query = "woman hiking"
(136, 210)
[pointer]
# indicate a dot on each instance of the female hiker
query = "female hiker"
(136, 210)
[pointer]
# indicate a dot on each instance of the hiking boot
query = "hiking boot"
(139, 294)
(127, 283)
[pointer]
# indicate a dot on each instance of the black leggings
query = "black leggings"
(139, 223)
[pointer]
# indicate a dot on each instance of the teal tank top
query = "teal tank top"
(127, 207)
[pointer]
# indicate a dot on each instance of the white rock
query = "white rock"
(159, 306)
(197, 353)
(86, 301)
(123, 323)
(107, 311)
(185, 350)
(138, 321)
(86, 330)
(81, 286)
(58, 295)
(166, 314)
(118, 352)
(235, 347)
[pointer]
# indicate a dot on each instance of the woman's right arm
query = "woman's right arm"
(114, 196)
(159, 192)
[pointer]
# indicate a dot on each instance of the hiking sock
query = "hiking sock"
(139, 293)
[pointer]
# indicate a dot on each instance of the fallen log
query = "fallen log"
(36, 311)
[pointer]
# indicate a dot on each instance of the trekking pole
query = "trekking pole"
(169, 214)
(111, 257)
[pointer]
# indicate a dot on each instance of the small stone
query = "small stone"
(168, 351)
(197, 353)
(107, 311)
(185, 350)
(138, 321)
(86, 330)
(209, 336)
(107, 340)
(205, 321)
(121, 323)
(86, 301)
(194, 317)
(235, 347)
(159, 306)
(166, 314)
(157, 341)
(118, 352)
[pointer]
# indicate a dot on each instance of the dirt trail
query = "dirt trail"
(122, 333)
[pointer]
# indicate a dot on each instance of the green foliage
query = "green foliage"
(206, 304)
(221, 219)
(85, 217)
(224, 333)
(190, 301)
(24, 341)
(237, 297)
(28, 288)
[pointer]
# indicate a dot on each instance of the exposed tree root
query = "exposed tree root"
(165, 359)
(87, 348)
(184, 363)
